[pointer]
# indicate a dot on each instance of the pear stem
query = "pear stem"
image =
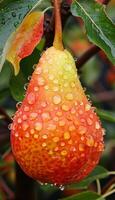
(58, 26)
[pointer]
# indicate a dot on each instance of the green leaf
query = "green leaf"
(98, 173)
(85, 196)
(17, 82)
(12, 13)
(100, 29)
(17, 86)
(106, 115)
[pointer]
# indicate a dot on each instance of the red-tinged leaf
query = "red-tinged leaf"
(23, 41)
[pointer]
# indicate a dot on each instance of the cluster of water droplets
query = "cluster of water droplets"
(61, 187)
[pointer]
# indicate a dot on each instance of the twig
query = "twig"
(87, 55)
(108, 193)
(98, 186)
(7, 189)
(104, 96)
(105, 188)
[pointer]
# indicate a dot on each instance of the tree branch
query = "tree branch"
(87, 55)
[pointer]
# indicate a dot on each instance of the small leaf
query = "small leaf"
(22, 42)
(106, 115)
(98, 173)
(85, 196)
(99, 27)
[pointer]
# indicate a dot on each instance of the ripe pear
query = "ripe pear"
(56, 136)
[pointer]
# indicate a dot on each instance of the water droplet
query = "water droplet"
(19, 121)
(56, 139)
(90, 141)
(41, 81)
(38, 126)
(46, 116)
(43, 144)
(81, 147)
(32, 131)
(73, 111)
(33, 116)
(27, 135)
(72, 128)
(87, 107)
(82, 138)
(64, 153)
(31, 98)
(72, 84)
(103, 131)
(62, 144)
(24, 117)
(56, 99)
(61, 123)
(97, 125)
(26, 108)
(16, 134)
(25, 126)
(16, 24)
(34, 66)
(50, 152)
(29, 78)
(61, 187)
(51, 127)
(82, 130)
(44, 136)
(55, 89)
(38, 70)
(13, 14)
(59, 114)
(18, 105)
(56, 149)
(10, 126)
(36, 136)
(43, 104)
(89, 121)
(26, 86)
(66, 135)
(69, 96)
(36, 89)
(65, 107)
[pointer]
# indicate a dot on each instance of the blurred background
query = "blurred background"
(98, 79)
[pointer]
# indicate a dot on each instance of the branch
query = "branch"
(104, 96)
(106, 187)
(87, 55)
(7, 189)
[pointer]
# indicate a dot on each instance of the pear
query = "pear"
(56, 136)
